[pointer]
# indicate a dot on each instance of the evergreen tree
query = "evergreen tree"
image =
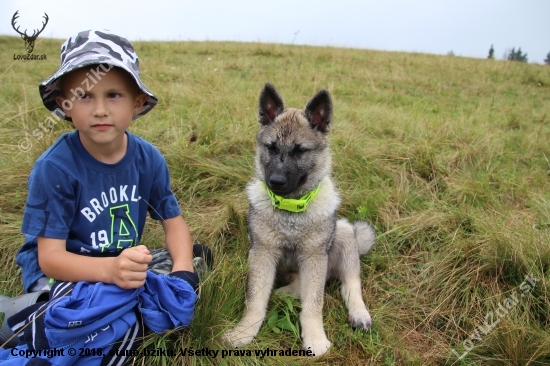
(522, 57)
(517, 55)
(491, 53)
(511, 55)
(547, 59)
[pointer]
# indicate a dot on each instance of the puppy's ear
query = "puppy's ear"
(319, 111)
(270, 106)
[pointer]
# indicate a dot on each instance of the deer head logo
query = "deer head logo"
(29, 40)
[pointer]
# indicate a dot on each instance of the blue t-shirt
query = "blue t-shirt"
(100, 209)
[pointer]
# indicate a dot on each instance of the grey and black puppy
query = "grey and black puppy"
(292, 222)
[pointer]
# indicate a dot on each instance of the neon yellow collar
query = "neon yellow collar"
(291, 204)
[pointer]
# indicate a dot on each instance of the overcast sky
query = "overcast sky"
(466, 27)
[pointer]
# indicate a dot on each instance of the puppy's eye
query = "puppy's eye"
(299, 150)
(272, 148)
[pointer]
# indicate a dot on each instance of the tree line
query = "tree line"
(515, 55)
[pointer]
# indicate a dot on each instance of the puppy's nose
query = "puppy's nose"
(277, 181)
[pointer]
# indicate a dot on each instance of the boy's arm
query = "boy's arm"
(179, 243)
(128, 270)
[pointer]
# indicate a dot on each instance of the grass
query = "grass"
(447, 157)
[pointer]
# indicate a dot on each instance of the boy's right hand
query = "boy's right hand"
(129, 269)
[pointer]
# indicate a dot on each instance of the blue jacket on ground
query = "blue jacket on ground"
(94, 316)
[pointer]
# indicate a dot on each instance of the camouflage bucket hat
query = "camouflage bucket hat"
(94, 47)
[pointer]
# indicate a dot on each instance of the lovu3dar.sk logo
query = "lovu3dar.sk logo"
(29, 39)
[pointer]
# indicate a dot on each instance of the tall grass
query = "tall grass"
(448, 157)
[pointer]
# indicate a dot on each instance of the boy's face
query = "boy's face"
(101, 108)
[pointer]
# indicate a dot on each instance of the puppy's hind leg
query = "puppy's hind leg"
(344, 264)
(261, 275)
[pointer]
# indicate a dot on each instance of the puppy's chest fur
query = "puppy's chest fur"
(292, 231)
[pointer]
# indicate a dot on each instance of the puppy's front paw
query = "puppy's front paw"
(318, 346)
(360, 319)
(238, 336)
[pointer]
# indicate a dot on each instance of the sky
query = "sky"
(466, 27)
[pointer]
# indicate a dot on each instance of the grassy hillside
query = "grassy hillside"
(448, 157)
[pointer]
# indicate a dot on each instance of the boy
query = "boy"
(89, 193)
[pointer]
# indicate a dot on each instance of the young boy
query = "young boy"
(90, 192)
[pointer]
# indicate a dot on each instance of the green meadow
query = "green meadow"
(447, 157)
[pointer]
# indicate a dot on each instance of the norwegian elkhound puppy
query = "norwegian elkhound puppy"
(292, 222)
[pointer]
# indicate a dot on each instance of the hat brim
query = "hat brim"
(49, 88)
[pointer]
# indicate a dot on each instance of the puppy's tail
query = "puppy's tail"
(365, 236)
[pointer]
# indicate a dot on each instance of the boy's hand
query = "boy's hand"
(129, 268)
